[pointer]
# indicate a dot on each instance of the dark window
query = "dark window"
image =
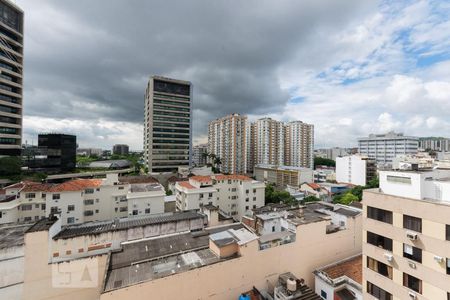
(323, 294)
(412, 282)
(88, 213)
(412, 253)
(55, 196)
(71, 207)
(147, 210)
(379, 214)
(43, 206)
(379, 241)
(447, 232)
(135, 212)
(70, 220)
(448, 266)
(30, 195)
(171, 87)
(412, 223)
(89, 191)
(379, 267)
(88, 201)
(377, 292)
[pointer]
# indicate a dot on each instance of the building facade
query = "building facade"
(11, 78)
(199, 155)
(232, 194)
(167, 124)
(355, 169)
(268, 142)
(121, 149)
(227, 140)
(439, 144)
(384, 147)
(299, 145)
(283, 176)
(406, 236)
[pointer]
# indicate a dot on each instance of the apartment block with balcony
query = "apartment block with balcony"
(234, 195)
(227, 139)
(355, 169)
(167, 124)
(299, 144)
(11, 78)
(406, 236)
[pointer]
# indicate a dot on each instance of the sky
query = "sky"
(350, 67)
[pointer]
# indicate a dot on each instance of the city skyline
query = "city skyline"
(350, 69)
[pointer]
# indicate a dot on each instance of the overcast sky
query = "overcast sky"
(349, 67)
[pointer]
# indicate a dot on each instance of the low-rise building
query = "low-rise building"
(314, 189)
(282, 176)
(232, 194)
(421, 160)
(110, 164)
(341, 280)
(90, 151)
(324, 174)
(80, 200)
(355, 169)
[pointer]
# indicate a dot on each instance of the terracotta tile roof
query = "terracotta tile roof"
(314, 186)
(76, 185)
(2, 192)
(233, 177)
(351, 268)
(138, 179)
(18, 185)
(199, 178)
(186, 184)
(174, 179)
(36, 187)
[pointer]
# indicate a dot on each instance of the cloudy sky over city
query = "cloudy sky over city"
(349, 67)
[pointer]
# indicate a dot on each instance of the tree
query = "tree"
(320, 161)
(373, 183)
(274, 196)
(347, 198)
(311, 198)
(10, 166)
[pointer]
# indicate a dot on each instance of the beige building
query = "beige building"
(11, 78)
(283, 176)
(406, 236)
(167, 124)
(132, 260)
(227, 139)
(299, 144)
(268, 147)
(234, 195)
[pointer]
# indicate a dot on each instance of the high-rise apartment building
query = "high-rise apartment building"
(199, 155)
(435, 144)
(384, 147)
(299, 145)
(355, 169)
(227, 139)
(268, 142)
(167, 124)
(121, 149)
(406, 236)
(11, 72)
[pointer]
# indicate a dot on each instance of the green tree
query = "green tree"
(347, 198)
(320, 161)
(373, 183)
(10, 166)
(311, 198)
(274, 196)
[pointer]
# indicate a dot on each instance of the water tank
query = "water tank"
(244, 297)
(291, 285)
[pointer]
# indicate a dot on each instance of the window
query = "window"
(89, 202)
(200, 196)
(53, 210)
(246, 208)
(233, 197)
(246, 199)
(377, 292)
(412, 282)
(27, 207)
(43, 206)
(379, 267)
(135, 212)
(273, 228)
(120, 187)
(210, 195)
(122, 209)
(448, 266)
(254, 191)
(233, 189)
(56, 197)
(27, 219)
(36, 218)
(254, 198)
(412, 223)
(399, 179)
(70, 220)
(147, 210)
(1, 214)
(379, 214)
(89, 191)
(70, 207)
(246, 191)
(36, 206)
(447, 232)
(30, 195)
(96, 211)
(89, 213)
(412, 253)
(323, 294)
(379, 241)
(254, 206)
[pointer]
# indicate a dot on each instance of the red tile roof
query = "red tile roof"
(233, 177)
(186, 184)
(76, 185)
(174, 179)
(36, 187)
(314, 186)
(351, 268)
(203, 179)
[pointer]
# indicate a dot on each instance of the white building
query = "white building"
(384, 147)
(199, 155)
(421, 160)
(355, 169)
(232, 194)
(75, 201)
(145, 199)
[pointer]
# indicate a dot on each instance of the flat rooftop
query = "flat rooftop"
(151, 259)
(350, 267)
(12, 235)
(125, 223)
(146, 187)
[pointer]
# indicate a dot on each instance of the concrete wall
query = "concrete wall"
(11, 272)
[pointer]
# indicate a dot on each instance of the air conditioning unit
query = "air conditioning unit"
(411, 264)
(412, 295)
(388, 257)
(411, 236)
(438, 259)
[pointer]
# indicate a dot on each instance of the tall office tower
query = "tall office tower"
(269, 142)
(11, 72)
(384, 147)
(227, 139)
(406, 236)
(167, 124)
(299, 144)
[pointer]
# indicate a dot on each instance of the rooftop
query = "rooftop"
(146, 187)
(138, 179)
(350, 267)
(125, 223)
(160, 257)
(12, 235)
